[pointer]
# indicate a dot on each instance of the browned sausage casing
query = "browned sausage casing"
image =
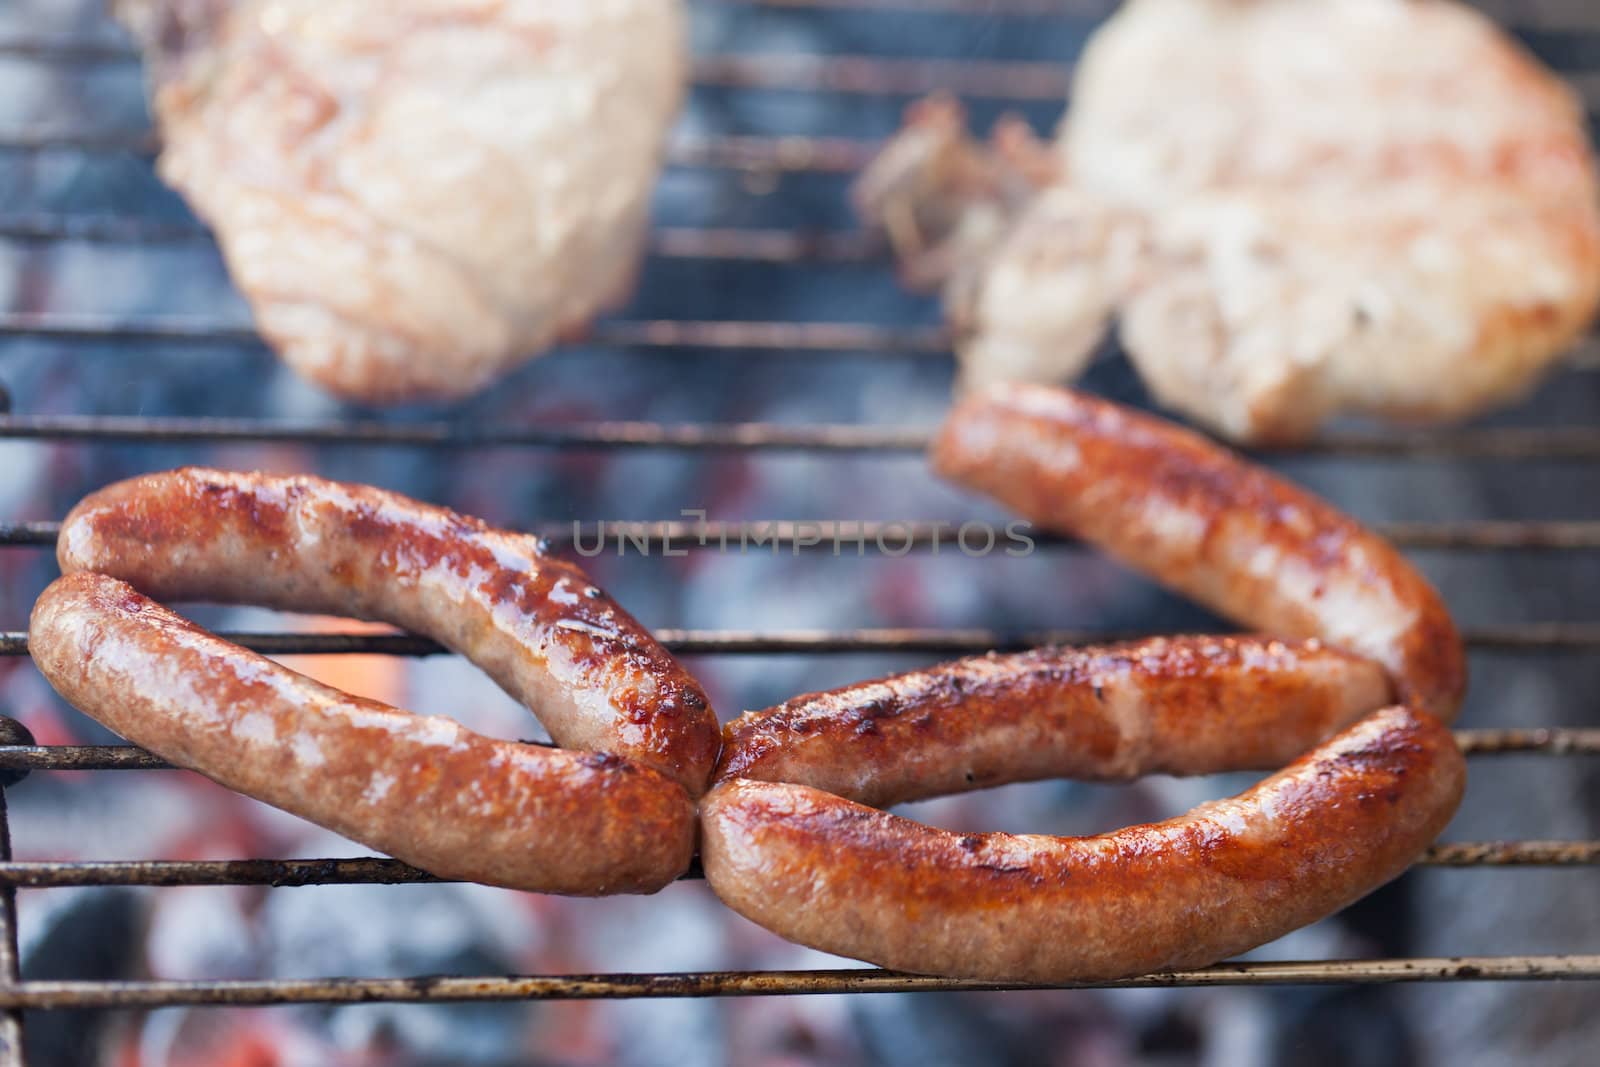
(1208, 524)
(1188, 705)
(1229, 875)
(422, 788)
(552, 639)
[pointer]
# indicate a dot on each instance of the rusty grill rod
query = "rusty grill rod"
(436, 989)
(373, 870)
(1512, 637)
(1552, 741)
(794, 536)
(1490, 443)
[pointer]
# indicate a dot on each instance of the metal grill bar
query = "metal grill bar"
(1474, 743)
(10, 954)
(671, 334)
(1529, 637)
(806, 337)
(1510, 742)
(1513, 854)
(45, 138)
(769, 246)
(365, 870)
(1034, 8)
(810, 338)
(817, 155)
(111, 49)
(381, 871)
(1018, 80)
(79, 758)
(865, 75)
(1542, 23)
(1508, 443)
(761, 154)
(895, 538)
(753, 245)
(78, 48)
(436, 989)
(602, 435)
(660, 333)
(106, 229)
(66, 48)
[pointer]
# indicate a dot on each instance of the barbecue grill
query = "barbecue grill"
(764, 159)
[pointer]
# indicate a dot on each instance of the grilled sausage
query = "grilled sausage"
(1227, 876)
(422, 788)
(1189, 705)
(552, 639)
(1201, 521)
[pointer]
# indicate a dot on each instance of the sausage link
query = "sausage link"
(1227, 876)
(1189, 705)
(1206, 523)
(422, 788)
(537, 625)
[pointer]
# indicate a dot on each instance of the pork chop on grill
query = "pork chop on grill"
(1295, 207)
(416, 195)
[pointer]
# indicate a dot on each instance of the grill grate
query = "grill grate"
(759, 156)
(762, 983)
(798, 536)
(1507, 443)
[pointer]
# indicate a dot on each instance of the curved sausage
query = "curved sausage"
(422, 788)
(1188, 705)
(1229, 875)
(551, 638)
(1204, 522)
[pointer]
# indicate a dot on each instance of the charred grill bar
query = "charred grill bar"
(437, 989)
(10, 955)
